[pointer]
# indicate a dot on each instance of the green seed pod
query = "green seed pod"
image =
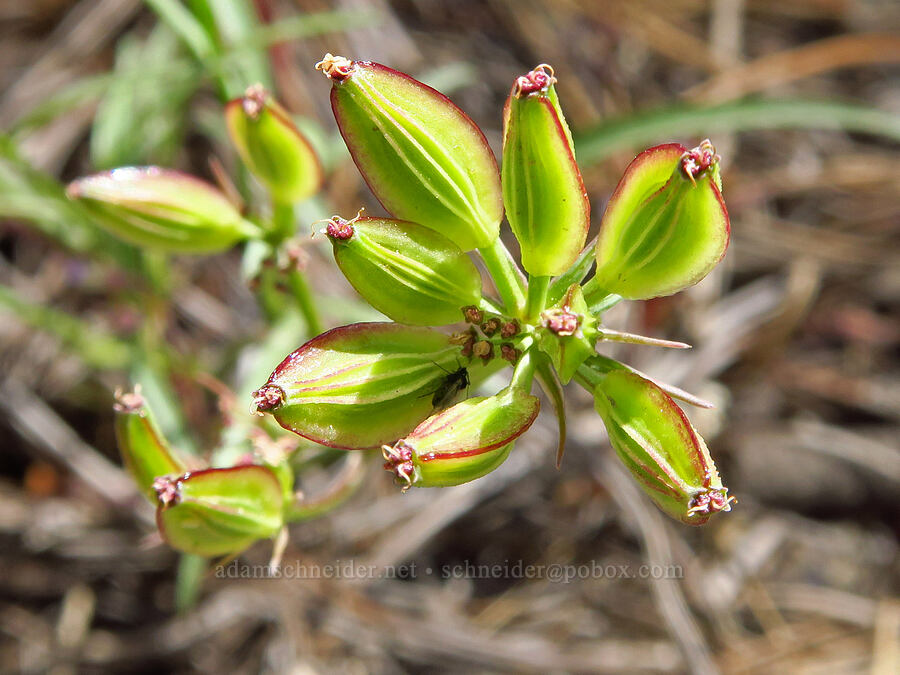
(424, 159)
(665, 226)
(366, 384)
(464, 442)
(546, 203)
(163, 209)
(272, 147)
(409, 273)
(568, 333)
(655, 441)
(145, 453)
(219, 511)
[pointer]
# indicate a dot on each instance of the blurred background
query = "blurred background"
(796, 339)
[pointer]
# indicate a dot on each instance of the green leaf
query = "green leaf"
(549, 382)
(177, 17)
(134, 123)
(31, 195)
(232, 25)
(642, 129)
(95, 347)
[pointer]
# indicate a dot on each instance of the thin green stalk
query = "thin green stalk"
(189, 581)
(506, 275)
(283, 228)
(599, 299)
(538, 288)
(523, 375)
(283, 223)
(305, 301)
(488, 305)
(344, 486)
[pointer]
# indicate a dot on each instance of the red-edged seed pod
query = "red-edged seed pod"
(272, 147)
(424, 159)
(656, 442)
(162, 209)
(367, 384)
(464, 442)
(665, 226)
(546, 203)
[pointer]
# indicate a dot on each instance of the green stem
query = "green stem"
(538, 288)
(523, 375)
(488, 305)
(189, 580)
(587, 377)
(283, 223)
(506, 275)
(283, 228)
(599, 299)
(270, 298)
(344, 486)
(303, 295)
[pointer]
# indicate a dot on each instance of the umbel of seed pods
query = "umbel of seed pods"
(403, 386)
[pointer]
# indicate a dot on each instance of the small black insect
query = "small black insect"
(450, 386)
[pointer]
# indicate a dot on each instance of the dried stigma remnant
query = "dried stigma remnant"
(561, 321)
(340, 228)
(335, 67)
(709, 501)
(697, 160)
(536, 80)
(254, 100)
(168, 490)
(128, 401)
(398, 460)
(267, 398)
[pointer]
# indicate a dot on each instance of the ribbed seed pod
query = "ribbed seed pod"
(464, 442)
(219, 511)
(272, 147)
(145, 452)
(162, 209)
(410, 273)
(655, 441)
(366, 384)
(546, 203)
(665, 226)
(424, 159)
